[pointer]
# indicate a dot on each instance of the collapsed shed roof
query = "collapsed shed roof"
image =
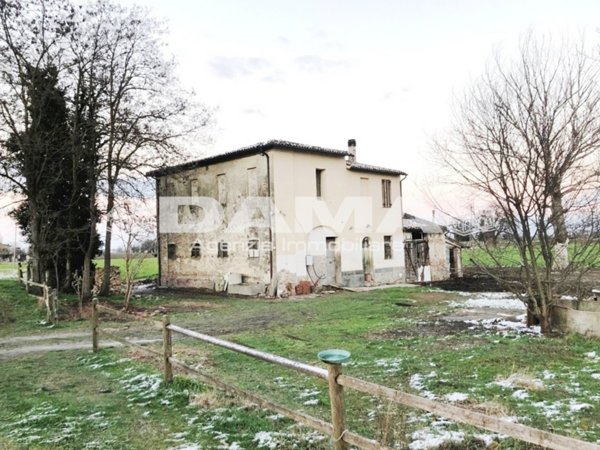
(410, 223)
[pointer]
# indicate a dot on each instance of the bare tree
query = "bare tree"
(144, 108)
(34, 130)
(135, 227)
(88, 103)
(526, 137)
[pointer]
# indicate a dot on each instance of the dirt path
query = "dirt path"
(75, 340)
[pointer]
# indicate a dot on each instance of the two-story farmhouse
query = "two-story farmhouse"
(278, 213)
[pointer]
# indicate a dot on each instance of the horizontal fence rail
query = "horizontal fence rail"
(300, 367)
(515, 430)
(337, 381)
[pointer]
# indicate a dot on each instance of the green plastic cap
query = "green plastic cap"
(334, 356)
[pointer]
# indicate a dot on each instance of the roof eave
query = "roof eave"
(246, 151)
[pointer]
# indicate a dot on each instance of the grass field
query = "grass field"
(112, 400)
(149, 267)
(8, 266)
(507, 255)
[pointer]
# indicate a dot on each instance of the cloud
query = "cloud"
(313, 63)
(231, 67)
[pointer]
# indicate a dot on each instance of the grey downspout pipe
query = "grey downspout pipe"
(266, 155)
(158, 240)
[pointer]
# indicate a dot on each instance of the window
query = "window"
(223, 250)
(364, 187)
(253, 248)
(193, 187)
(319, 180)
(221, 189)
(170, 188)
(387, 247)
(386, 193)
(172, 251)
(252, 182)
(196, 253)
(416, 235)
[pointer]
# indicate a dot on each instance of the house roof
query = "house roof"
(410, 222)
(359, 167)
(264, 146)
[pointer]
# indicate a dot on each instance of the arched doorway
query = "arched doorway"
(322, 246)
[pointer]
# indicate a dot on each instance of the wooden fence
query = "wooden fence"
(49, 296)
(342, 437)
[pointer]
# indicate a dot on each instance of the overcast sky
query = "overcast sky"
(322, 72)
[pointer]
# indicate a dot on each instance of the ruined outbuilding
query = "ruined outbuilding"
(275, 216)
(430, 254)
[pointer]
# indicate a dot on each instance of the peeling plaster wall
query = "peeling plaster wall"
(303, 221)
(237, 180)
(295, 232)
(581, 317)
(438, 257)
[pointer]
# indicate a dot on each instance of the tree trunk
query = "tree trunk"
(37, 264)
(68, 281)
(561, 238)
(545, 321)
(86, 276)
(105, 288)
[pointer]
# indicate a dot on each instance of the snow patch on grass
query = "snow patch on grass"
(391, 365)
(496, 300)
(456, 397)
(265, 439)
(575, 406)
(521, 394)
(426, 438)
(416, 382)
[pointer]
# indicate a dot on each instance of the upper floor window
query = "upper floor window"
(193, 187)
(252, 182)
(319, 182)
(196, 250)
(221, 189)
(386, 193)
(364, 187)
(169, 188)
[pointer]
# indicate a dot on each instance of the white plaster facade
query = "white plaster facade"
(350, 234)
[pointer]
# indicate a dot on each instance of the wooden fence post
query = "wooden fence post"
(28, 277)
(167, 349)
(53, 298)
(336, 396)
(46, 297)
(95, 325)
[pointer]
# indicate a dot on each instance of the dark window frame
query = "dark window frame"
(196, 251)
(172, 251)
(388, 252)
(223, 250)
(253, 248)
(319, 182)
(386, 193)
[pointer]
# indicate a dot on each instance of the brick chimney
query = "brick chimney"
(351, 158)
